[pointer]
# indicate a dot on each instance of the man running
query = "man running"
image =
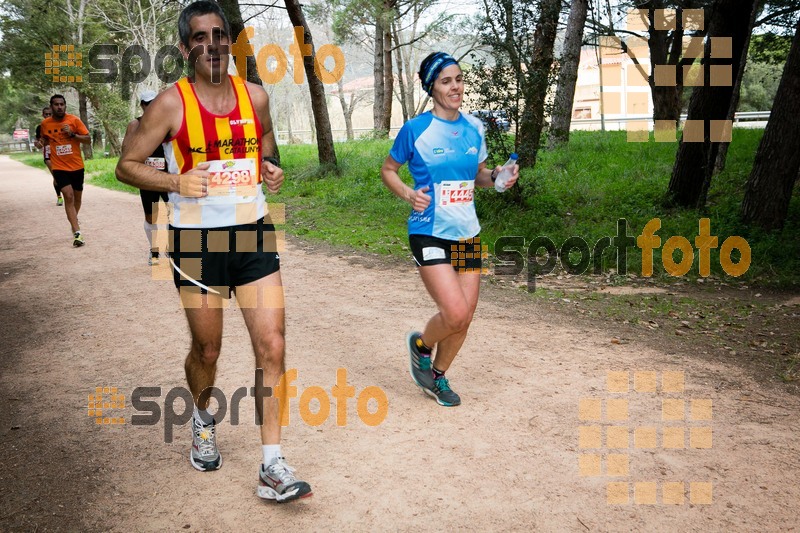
(47, 113)
(149, 198)
(220, 146)
(64, 134)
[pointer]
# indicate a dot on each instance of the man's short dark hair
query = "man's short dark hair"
(57, 96)
(198, 9)
(47, 108)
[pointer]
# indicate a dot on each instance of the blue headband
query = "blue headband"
(430, 72)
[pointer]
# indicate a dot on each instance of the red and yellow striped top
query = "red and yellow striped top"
(207, 137)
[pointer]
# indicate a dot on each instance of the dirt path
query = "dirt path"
(508, 459)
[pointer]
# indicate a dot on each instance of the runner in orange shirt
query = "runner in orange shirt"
(65, 133)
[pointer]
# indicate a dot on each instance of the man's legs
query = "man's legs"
(59, 200)
(69, 206)
(205, 326)
(262, 306)
(78, 197)
(263, 311)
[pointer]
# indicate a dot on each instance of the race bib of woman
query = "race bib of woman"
(456, 193)
(232, 181)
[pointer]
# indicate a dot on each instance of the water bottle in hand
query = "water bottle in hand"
(505, 173)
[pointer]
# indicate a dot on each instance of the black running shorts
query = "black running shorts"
(69, 177)
(223, 258)
(151, 197)
(464, 255)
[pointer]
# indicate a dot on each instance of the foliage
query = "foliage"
(497, 79)
(759, 85)
(769, 48)
(580, 189)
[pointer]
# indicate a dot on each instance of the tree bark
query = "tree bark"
(537, 81)
(568, 75)
(83, 110)
(347, 110)
(322, 122)
(722, 155)
(378, 79)
(234, 15)
(769, 189)
(694, 163)
(388, 81)
(401, 86)
(667, 99)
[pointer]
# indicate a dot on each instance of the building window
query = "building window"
(582, 112)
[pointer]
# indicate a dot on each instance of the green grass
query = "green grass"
(99, 171)
(582, 189)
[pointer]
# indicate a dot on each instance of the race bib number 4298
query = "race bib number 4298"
(231, 180)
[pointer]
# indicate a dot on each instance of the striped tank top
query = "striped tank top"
(231, 144)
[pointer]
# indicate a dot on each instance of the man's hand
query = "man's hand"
(271, 175)
(66, 129)
(193, 184)
(419, 200)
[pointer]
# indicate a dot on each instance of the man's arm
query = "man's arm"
(164, 116)
(81, 132)
(271, 174)
(133, 125)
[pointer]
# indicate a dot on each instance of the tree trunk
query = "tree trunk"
(289, 124)
(88, 152)
(348, 117)
(347, 111)
(377, 75)
(568, 75)
(234, 15)
(694, 163)
(322, 122)
(401, 86)
(777, 163)
(666, 99)
(388, 82)
(113, 140)
(722, 155)
(537, 81)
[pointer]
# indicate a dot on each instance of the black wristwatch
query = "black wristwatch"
(494, 175)
(272, 160)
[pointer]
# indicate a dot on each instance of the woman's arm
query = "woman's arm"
(418, 199)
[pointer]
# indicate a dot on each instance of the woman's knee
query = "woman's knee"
(457, 318)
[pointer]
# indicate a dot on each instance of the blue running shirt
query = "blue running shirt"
(444, 156)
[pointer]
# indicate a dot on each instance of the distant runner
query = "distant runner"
(64, 134)
(150, 198)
